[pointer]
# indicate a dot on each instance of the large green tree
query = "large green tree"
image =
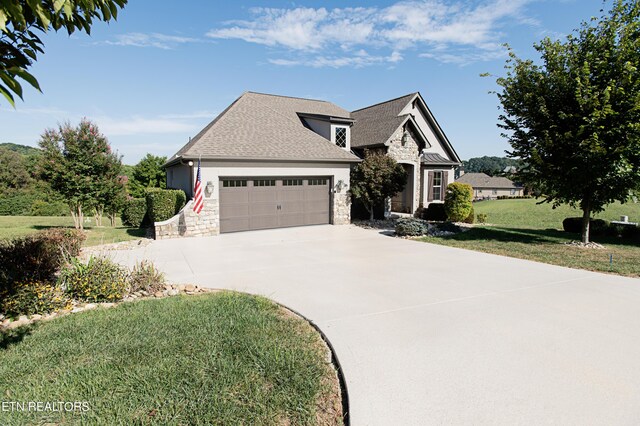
(574, 118)
(148, 173)
(79, 164)
(22, 20)
(375, 179)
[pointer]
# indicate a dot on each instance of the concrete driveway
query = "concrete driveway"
(428, 334)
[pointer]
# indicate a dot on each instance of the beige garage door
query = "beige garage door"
(262, 203)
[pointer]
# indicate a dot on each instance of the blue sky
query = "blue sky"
(165, 68)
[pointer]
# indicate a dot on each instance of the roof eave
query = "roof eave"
(263, 159)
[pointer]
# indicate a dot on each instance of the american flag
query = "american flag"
(198, 201)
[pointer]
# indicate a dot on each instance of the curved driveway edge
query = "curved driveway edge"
(429, 334)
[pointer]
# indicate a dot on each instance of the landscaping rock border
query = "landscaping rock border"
(75, 307)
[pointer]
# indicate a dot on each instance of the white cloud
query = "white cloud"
(302, 28)
(332, 38)
(358, 60)
(132, 125)
(157, 40)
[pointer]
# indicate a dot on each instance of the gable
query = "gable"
(423, 117)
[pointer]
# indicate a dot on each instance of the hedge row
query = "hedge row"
(158, 205)
(601, 227)
(513, 197)
(163, 204)
(133, 212)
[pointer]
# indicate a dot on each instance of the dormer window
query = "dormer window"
(341, 136)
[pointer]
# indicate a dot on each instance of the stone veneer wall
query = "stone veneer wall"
(409, 152)
(342, 208)
(189, 224)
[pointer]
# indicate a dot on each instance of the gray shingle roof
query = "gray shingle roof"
(437, 159)
(481, 180)
(375, 124)
(260, 126)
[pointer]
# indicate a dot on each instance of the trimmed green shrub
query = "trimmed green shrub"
(99, 280)
(411, 227)
(36, 257)
(481, 218)
(145, 276)
(471, 217)
(574, 225)
(513, 197)
(34, 297)
(458, 201)
(133, 212)
(162, 204)
(435, 212)
(43, 208)
(629, 232)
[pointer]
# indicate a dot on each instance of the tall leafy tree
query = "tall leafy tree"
(79, 164)
(575, 118)
(375, 179)
(148, 173)
(22, 20)
(13, 171)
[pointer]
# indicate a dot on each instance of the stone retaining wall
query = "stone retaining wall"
(188, 223)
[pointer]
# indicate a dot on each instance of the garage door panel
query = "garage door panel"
(262, 195)
(316, 218)
(296, 194)
(274, 202)
(263, 222)
(292, 219)
(263, 209)
(230, 210)
(234, 224)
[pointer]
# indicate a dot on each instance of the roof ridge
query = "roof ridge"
(290, 97)
(385, 102)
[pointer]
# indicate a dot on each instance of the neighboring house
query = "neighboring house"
(271, 161)
(405, 129)
(485, 186)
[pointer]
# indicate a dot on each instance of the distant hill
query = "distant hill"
(21, 149)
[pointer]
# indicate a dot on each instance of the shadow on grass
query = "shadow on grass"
(41, 227)
(137, 232)
(14, 336)
(526, 235)
(510, 235)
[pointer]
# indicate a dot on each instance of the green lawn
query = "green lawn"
(223, 358)
(14, 226)
(527, 213)
(524, 229)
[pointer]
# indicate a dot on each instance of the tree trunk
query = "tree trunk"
(586, 219)
(98, 215)
(112, 218)
(80, 217)
(75, 217)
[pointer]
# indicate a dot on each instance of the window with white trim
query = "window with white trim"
(437, 185)
(341, 136)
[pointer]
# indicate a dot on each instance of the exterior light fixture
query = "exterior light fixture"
(340, 185)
